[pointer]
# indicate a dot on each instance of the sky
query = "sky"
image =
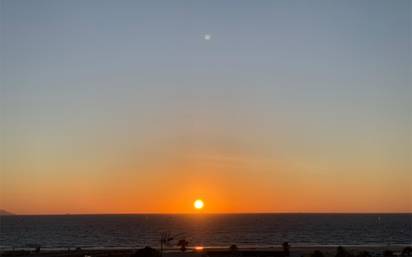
(252, 106)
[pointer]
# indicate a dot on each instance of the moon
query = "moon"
(207, 37)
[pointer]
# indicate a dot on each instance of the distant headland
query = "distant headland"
(5, 213)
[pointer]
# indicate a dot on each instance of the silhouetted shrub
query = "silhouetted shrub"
(286, 248)
(388, 253)
(233, 248)
(146, 252)
(364, 254)
(317, 253)
(342, 252)
(407, 251)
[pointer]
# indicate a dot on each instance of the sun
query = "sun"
(198, 204)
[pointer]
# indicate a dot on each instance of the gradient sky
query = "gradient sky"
(123, 106)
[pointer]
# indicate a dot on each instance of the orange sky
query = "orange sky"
(226, 184)
(127, 108)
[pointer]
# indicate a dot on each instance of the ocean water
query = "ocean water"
(206, 230)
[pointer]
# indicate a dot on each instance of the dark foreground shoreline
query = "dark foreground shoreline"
(299, 251)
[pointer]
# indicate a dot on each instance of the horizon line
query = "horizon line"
(202, 213)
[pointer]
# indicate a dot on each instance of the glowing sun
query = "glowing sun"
(198, 204)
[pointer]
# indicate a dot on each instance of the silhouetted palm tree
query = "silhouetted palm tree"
(183, 244)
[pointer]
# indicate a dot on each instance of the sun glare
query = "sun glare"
(199, 248)
(198, 204)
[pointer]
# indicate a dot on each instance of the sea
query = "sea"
(208, 230)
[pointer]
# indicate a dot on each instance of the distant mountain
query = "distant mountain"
(5, 213)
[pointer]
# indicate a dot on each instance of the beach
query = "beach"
(299, 251)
